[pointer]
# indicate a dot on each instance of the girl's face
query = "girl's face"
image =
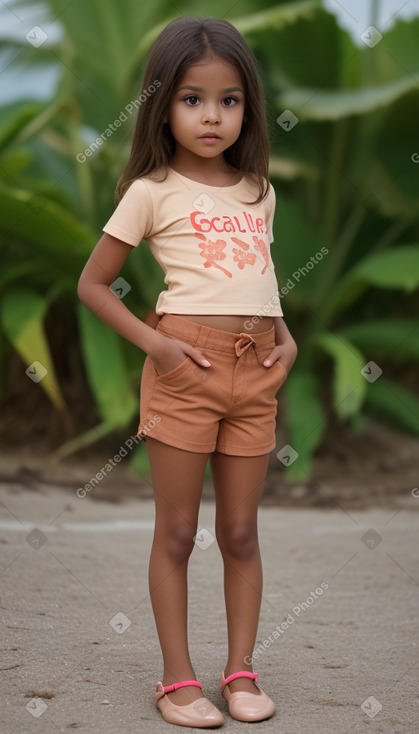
(208, 99)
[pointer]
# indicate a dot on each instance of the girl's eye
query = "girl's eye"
(191, 97)
(230, 101)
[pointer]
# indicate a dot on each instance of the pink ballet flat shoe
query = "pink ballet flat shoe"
(246, 706)
(201, 713)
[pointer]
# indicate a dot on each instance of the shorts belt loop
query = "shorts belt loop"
(243, 343)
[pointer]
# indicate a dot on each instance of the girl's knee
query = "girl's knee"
(177, 541)
(238, 541)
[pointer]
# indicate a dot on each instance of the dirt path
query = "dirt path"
(337, 646)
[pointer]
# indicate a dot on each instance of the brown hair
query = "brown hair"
(184, 42)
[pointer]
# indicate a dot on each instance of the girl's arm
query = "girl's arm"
(101, 269)
(285, 350)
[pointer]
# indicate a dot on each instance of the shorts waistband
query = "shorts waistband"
(205, 336)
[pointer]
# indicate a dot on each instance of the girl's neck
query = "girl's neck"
(221, 174)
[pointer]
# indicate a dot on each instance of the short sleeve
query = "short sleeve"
(132, 219)
(271, 203)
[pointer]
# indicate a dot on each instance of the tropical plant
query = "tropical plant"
(345, 168)
(345, 181)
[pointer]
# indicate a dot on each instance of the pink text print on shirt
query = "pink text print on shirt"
(213, 250)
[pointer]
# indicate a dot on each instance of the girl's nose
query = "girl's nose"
(211, 115)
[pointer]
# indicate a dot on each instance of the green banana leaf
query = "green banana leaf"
(314, 104)
(13, 164)
(106, 370)
(391, 338)
(312, 52)
(397, 54)
(399, 161)
(396, 268)
(288, 168)
(99, 41)
(389, 401)
(30, 119)
(22, 314)
(10, 130)
(306, 418)
(349, 386)
(50, 230)
(277, 17)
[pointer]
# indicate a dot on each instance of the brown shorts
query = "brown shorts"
(229, 407)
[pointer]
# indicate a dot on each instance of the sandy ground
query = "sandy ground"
(337, 643)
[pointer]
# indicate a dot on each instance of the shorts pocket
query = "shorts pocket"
(275, 375)
(279, 374)
(281, 367)
(176, 372)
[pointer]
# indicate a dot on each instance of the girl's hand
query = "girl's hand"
(286, 353)
(286, 348)
(168, 353)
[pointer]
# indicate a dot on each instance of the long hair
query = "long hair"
(186, 41)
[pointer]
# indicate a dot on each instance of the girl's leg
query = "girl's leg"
(238, 483)
(177, 478)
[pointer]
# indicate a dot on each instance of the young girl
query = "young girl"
(196, 190)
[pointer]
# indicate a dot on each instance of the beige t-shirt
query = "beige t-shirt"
(213, 248)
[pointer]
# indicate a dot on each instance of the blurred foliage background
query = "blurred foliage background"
(346, 177)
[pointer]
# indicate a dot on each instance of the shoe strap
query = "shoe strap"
(182, 684)
(241, 674)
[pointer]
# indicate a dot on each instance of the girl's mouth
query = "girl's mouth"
(210, 138)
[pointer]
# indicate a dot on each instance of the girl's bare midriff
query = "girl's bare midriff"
(236, 324)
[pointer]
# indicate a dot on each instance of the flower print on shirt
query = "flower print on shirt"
(213, 251)
(240, 257)
(250, 258)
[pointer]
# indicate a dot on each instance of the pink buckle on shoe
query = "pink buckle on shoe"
(241, 674)
(182, 684)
